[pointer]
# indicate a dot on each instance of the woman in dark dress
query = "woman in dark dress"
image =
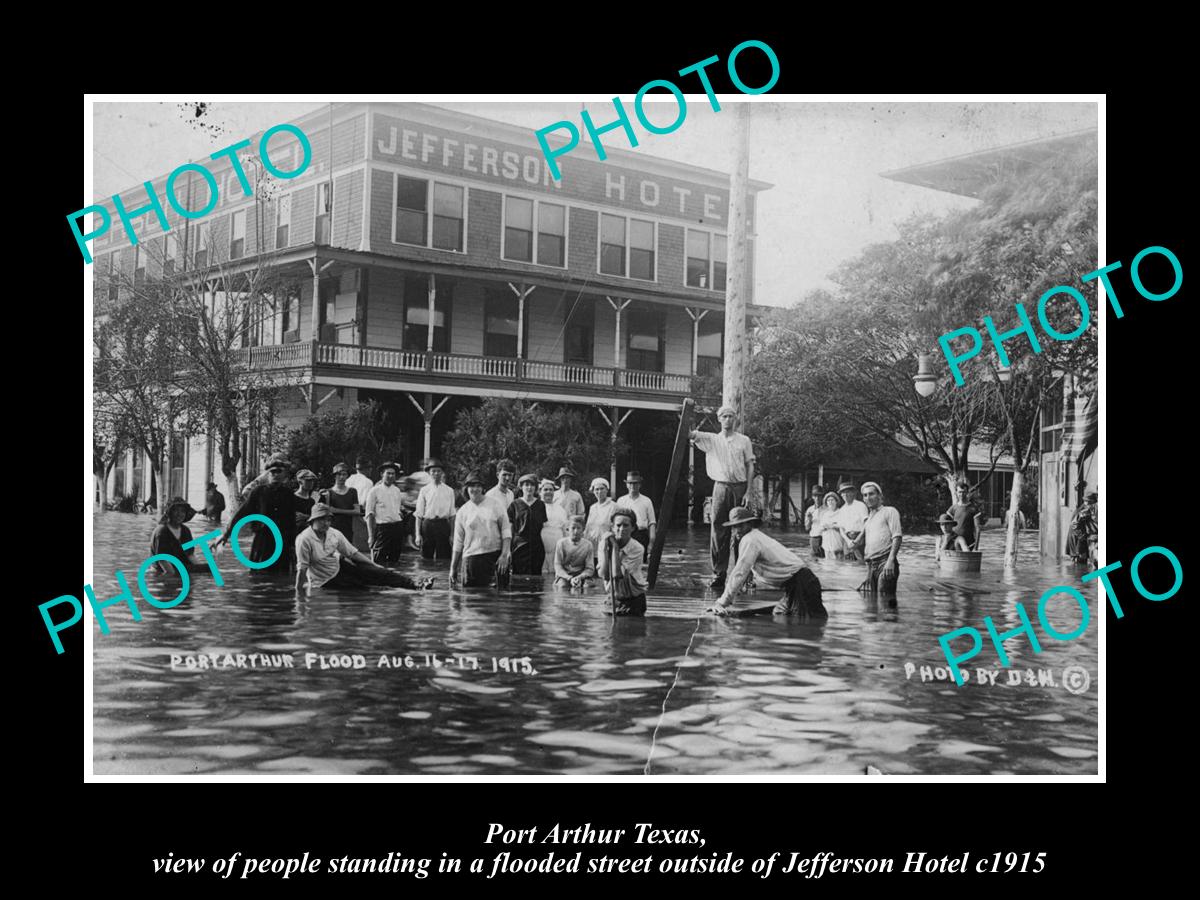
(278, 502)
(170, 536)
(306, 496)
(527, 514)
(343, 501)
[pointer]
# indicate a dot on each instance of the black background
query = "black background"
(109, 833)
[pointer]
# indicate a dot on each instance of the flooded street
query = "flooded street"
(741, 696)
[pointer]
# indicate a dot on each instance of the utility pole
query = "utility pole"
(737, 282)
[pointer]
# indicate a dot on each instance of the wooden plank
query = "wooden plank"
(668, 501)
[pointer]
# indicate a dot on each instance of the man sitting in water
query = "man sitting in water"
(629, 585)
(773, 565)
(319, 559)
(573, 557)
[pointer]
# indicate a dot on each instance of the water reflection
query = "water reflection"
(746, 695)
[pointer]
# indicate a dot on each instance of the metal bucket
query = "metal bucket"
(956, 562)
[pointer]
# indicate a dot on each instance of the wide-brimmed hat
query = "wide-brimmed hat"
(277, 462)
(633, 475)
(384, 466)
(320, 511)
(433, 463)
(473, 478)
(832, 494)
(946, 519)
(599, 481)
(306, 473)
(341, 467)
(847, 485)
(740, 515)
(190, 512)
(566, 470)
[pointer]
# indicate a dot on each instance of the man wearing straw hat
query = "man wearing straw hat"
(435, 514)
(384, 511)
(570, 500)
(774, 566)
(729, 460)
(324, 558)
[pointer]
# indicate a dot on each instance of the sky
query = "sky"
(823, 159)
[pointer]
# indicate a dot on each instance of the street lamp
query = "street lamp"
(924, 381)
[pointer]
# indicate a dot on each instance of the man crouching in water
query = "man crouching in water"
(774, 566)
(622, 570)
(319, 552)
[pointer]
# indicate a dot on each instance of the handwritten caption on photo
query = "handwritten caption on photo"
(194, 662)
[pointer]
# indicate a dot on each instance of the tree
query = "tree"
(175, 355)
(1033, 231)
(135, 359)
(538, 439)
(340, 435)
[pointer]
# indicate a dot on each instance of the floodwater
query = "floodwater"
(673, 693)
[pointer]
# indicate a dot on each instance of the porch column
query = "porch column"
(427, 411)
(432, 310)
(618, 306)
(696, 316)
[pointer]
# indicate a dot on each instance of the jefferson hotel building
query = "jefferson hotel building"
(448, 265)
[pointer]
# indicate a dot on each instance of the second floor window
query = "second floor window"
(518, 229)
(324, 212)
(200, 251)
(545, 244)
(170, 251)
(114, 275)
(283, 220)
(237, 235)
(139, 267)
(631, 240)
(706, 255)
(412, 223)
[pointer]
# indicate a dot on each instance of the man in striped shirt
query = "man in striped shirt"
(729, 459)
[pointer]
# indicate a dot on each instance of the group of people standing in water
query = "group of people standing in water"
(351, 533)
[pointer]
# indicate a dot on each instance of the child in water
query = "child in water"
(573, 557)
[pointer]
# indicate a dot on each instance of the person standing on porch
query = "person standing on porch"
(729, 460)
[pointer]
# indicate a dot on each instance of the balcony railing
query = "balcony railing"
(488, 368)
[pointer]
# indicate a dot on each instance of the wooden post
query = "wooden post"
(738, 283)
(668, 500)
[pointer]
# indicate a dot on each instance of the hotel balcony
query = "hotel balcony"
(457, 373)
